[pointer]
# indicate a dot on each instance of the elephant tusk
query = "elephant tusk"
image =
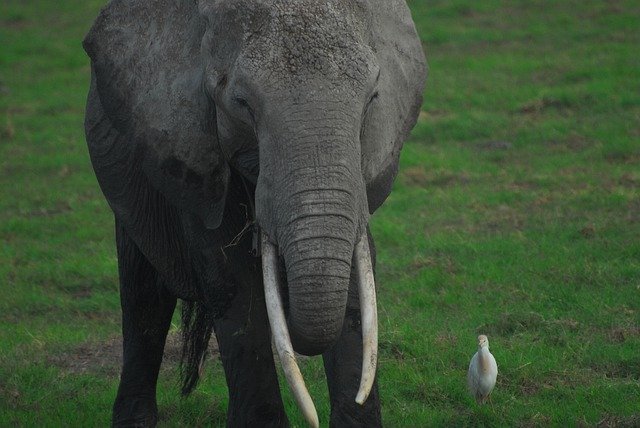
(281, 333)
(369, 316)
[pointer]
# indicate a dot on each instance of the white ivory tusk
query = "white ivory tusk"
(369, 318)
(280, 332)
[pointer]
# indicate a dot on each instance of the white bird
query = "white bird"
(483, 371)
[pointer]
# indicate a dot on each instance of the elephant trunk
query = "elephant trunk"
(311, 205)
(282, 339)
(317, 244)
(314, 207)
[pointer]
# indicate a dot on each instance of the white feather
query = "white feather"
(483, 371)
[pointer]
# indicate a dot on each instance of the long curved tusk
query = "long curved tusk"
(281, 333)
(369, 316)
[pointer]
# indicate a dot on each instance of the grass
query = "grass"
(516, 213)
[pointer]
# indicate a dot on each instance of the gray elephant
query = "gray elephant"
(242, 146)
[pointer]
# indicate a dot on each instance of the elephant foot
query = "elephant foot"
(135, 412)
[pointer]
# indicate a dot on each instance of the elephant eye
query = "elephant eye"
(244, 104)
(373, 97)
(375, 93)
(241, 101)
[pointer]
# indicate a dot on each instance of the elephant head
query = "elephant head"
(310, 101)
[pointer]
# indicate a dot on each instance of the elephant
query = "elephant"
(242, 146)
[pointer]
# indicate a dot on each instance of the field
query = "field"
(516, 214)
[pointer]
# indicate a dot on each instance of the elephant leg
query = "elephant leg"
(147, 309)
(244, 340)
(343, 365)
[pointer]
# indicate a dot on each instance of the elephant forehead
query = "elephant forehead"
(328, 22)
(303, 37)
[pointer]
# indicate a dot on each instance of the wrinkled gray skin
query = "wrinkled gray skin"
(199, 114)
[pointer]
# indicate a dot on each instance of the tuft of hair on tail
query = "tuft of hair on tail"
(197, 326)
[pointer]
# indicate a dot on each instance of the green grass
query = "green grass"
(516, 214)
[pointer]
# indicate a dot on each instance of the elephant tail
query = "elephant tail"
(197, 326)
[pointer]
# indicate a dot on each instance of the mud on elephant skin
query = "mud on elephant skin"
(209, 120)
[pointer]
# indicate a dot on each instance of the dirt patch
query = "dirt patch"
(537, 420)
(418, 177)
(430, 395)
(620, 157)
(626, 369)
(572, 143)
(543, 380)
(432, 115)
(509, 324)
(9, 130)
(633, 212)
(588, 231)
(44, 310)
(568, 324)
(438, 261)
(621, 334)
(512, 323)
(106, 357)
(15, 23)
(9, 396)
(494, 145)
(523, 185)
(619, 421)
(61, 207)
(102, 357)
(80, 293)
(447, 179)
(395, 351)
(539, 105)
(630, 180)
(502, 218)
(446, 339)
(529, 387)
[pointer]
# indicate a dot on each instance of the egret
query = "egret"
(483, 371)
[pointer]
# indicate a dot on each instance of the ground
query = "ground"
(516, 214)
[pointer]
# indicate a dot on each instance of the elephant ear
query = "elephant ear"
(147, 65)
(393, 113)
